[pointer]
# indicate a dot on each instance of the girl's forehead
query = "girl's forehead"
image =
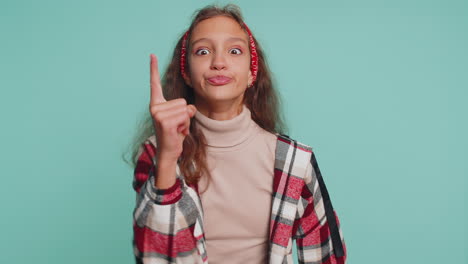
(219, 27)
(227, 39)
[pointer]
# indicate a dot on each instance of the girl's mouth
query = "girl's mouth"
(219, 80)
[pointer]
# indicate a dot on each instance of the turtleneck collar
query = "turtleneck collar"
(226, 133)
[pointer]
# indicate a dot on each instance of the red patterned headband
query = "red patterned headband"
(253, 54)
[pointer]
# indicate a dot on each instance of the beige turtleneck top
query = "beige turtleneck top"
(237, 202)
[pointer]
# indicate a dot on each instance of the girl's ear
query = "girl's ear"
(187, 79)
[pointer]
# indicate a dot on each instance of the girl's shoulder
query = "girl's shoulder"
(285, 141)
(151, 140)
(293, 157)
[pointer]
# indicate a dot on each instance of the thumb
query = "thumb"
(191, 109)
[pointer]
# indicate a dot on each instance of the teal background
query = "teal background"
(378, 88)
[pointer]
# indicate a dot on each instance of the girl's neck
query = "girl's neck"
(219, 110)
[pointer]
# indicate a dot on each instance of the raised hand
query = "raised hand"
(171, 120)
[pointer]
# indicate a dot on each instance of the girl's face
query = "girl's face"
(219, 61)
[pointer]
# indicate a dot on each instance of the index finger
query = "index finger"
(157, 96)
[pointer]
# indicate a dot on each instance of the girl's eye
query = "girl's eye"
(236, 51)
(202, 52)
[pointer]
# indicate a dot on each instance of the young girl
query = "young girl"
(216, 179)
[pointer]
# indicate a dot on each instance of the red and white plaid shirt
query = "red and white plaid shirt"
(168, 224)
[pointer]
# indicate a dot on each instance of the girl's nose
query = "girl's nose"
(218, 62)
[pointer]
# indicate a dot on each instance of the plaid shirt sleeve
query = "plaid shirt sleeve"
(318, 234)
(167, 223)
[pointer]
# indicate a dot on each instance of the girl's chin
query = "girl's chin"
(227, 92)
(220, 97)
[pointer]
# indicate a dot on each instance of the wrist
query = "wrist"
(166, 160)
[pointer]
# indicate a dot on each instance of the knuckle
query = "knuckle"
(181, 101)
(157, 116)
(153, 108)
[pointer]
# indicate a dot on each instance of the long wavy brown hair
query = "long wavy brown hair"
(261, 99)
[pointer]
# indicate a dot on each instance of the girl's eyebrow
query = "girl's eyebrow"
(232, 39)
